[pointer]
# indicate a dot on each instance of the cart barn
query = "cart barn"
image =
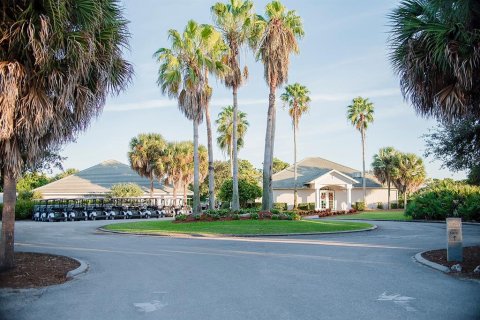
(96, 182)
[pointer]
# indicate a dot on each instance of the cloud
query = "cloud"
(348, 96)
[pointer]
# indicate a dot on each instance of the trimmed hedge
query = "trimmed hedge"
(306, 206)
(23, 209)
(437, 201)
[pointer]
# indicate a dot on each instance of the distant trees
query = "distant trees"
(145, 150)
(384, 166)
(125, 190)
(409, 174)
(279, 165)
(405, 171)
(248, 190)
(360, 114)
(225, 129)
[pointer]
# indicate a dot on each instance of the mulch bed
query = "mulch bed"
(37, 270)
(471, 259)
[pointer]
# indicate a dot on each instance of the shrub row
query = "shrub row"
(329, 212)
(23, 209)
(445, 199)
(253, 214)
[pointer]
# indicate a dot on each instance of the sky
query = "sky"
(344, 54)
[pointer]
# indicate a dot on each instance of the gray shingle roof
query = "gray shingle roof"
(313, 167)
(100, 178)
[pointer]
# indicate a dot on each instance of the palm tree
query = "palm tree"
(296, 96)
(225, 129)
(360, 115)
(276, 37)
(188, 168)
(145, 151)
(57, 66)
(234, 20)
(434, 50)
(176, 157)
(409, 174)
(384, 165)
(216, 48)
(182, 76)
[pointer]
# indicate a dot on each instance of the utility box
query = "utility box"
(454, 239)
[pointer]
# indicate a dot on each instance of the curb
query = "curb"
(204, 235)
(418, 257)
(410, 221)
(81, 269)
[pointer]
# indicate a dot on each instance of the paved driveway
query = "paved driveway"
(368, 275)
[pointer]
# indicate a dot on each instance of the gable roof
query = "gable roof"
(99, 179)
(312, 168)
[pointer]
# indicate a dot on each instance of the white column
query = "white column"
(317, 199)
(349, 196)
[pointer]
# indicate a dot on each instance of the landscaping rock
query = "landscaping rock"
(477, 270)
(456, 268)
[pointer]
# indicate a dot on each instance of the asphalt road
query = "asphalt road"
(367, 275)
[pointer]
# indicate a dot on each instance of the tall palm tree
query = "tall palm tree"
(234, 20)
(360, 114)
(145, 151)
(296, 96)
(182, 76)
(384, 165)
(57, 66)
(276, 37)
(434, 49)
(409, 174)
(217, 49)
(225, 130)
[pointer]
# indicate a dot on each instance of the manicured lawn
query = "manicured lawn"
(238, 227)
(396, 215)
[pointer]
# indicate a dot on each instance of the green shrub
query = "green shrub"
(393, 205)
(225, 205)
(275, 211)
(235, 216)
(254, 216)
(303, 206)
(437, 201)
(380, 205)
(293, 215)
(360, 206)
(254, 205)
(125, 190)
(275, 217)
(181, 217)
(282, 206)
(23, 209)
(247, 191)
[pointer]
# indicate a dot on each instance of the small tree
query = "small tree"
(125, 190)
(279, 165)
(248, 191)
(384, 165)
(409, 174)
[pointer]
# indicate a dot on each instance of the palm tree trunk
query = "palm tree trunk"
(8, 222)
(235, 195)
(211, 179)
(274, 121)
(404, 200)
(231, 158)
(151, 185)
(388, 201)
(196, 176)
(364, 183)
(295, 191)
(267, 157)
(184, 196)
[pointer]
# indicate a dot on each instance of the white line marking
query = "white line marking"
(399, 300)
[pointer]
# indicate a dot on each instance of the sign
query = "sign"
(454, 239)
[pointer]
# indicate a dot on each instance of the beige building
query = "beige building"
(96, 182)
(329, 185)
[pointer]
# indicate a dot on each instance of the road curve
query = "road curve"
(368, 275)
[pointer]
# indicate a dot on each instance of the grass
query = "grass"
(238, 227)
(396, 215)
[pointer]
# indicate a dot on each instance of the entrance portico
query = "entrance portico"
(326, 187)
